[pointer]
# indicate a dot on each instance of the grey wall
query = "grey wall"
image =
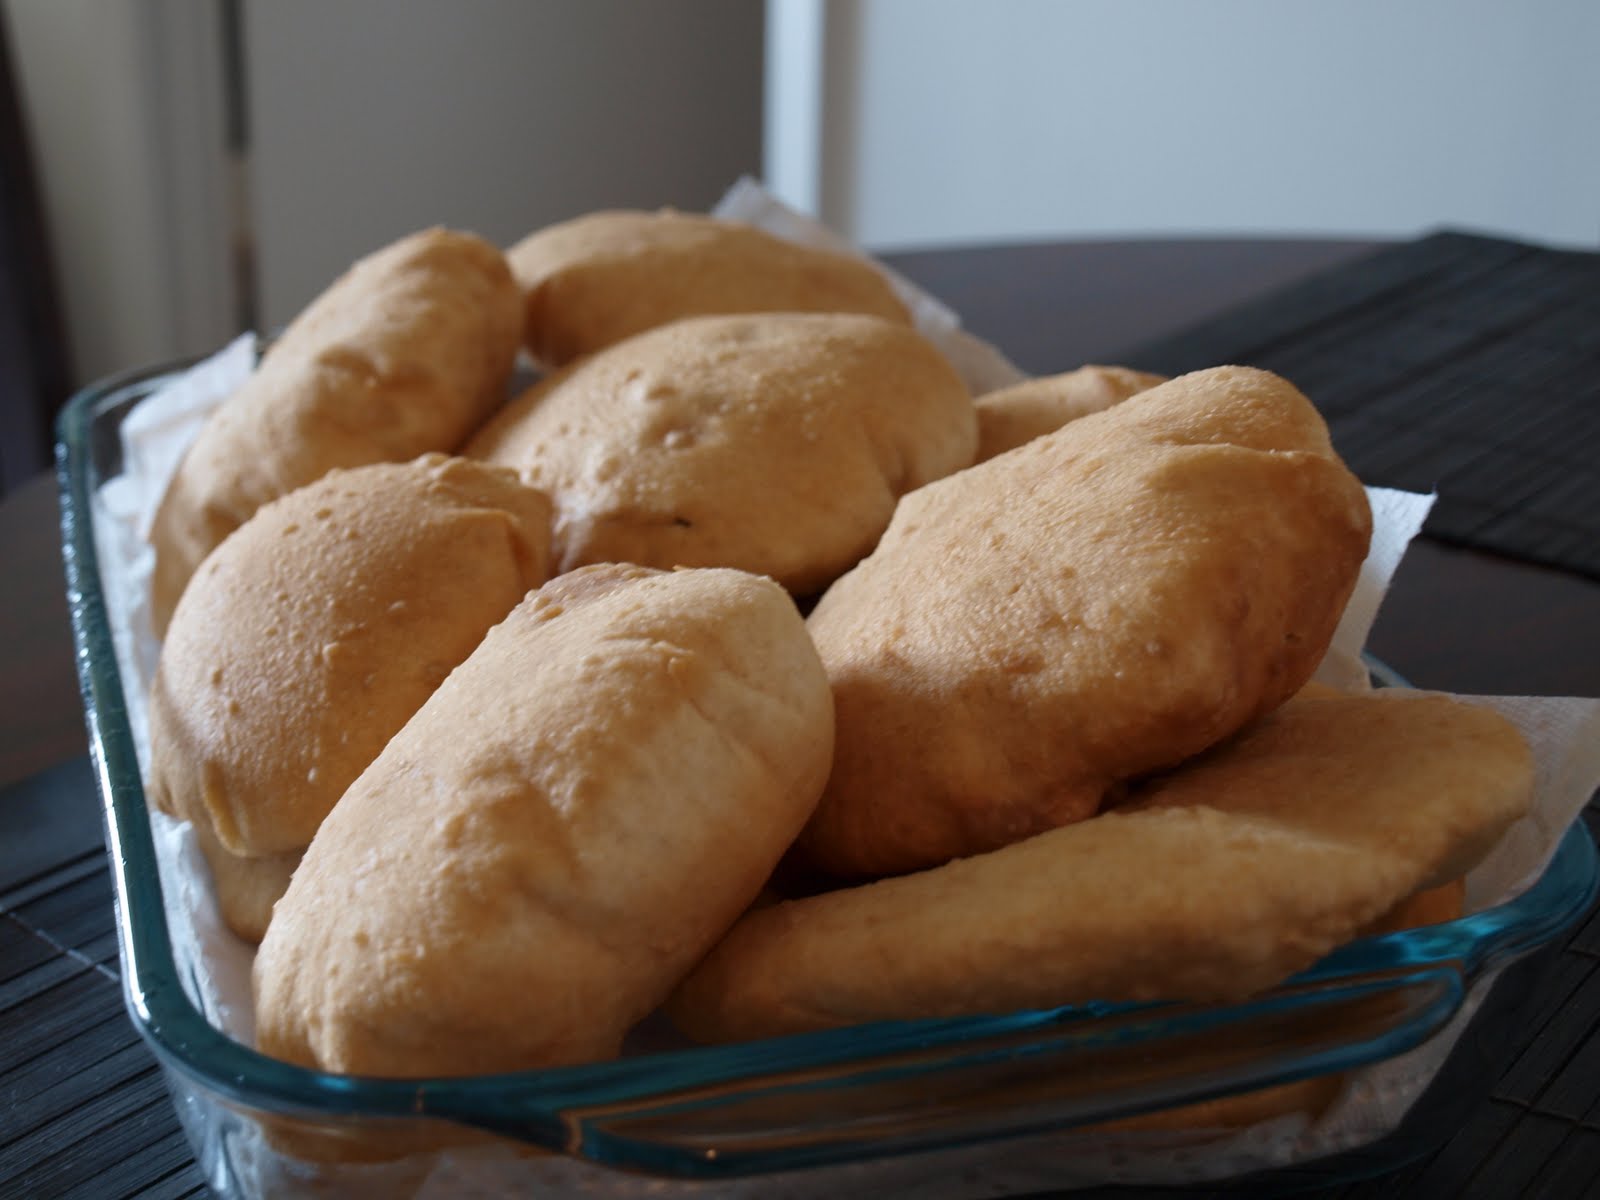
(122, 100)
(372, 118)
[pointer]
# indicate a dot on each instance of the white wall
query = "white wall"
(372, 118)
(958, 120)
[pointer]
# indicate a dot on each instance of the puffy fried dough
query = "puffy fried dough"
(1100, 603)
(1307, 1097)
(246, 887)
(1215, 881)
(558, 834)
(775, 443)
(1315, 689)
(407, 352)
(1095, 605)
(593, 281)
(1012, 416)
(314, 632)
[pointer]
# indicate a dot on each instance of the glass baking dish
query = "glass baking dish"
(1010, 1099)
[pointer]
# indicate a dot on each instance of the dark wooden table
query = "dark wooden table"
(1455, 620)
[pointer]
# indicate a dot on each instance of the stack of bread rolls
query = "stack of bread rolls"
(495, 714)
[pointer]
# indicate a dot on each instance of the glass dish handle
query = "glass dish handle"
(1034, 1072)
(892, 1088)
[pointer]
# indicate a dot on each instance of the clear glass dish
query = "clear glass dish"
(855, 1098)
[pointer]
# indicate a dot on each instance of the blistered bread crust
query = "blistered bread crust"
(777, 444)
(1102, 602)
(590, 282)
(556, 837)
(1014, 416)
(406, 353)
(319, 626)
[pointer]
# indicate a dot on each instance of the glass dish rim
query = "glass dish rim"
(540, 1100)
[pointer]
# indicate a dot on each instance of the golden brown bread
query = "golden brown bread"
(1315, 689)
(774, 443)
(590, 282)
(1100, 603)
(405, 353)
(246, 886)
(1308, 1097)
(313, 633)
(1013, 416)
(1430, 906)
(1216, 880)
(558, 834)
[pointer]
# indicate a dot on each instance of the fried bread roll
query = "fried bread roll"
(246, 886)
(407, 352)
(311, 635)
(774, 443)
(1311, 1097)
(1012, 416)
(558, 834)
(1100, 603)
(592, 281)
(1214, 881)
